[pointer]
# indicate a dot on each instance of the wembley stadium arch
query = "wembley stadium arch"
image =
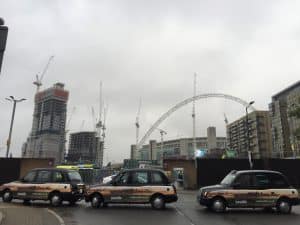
(185, 102)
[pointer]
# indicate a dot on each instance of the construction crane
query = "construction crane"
(94, 120)
(162, 133)
(40, 77)
(67, 131)
(137, 123)
(70, 118)
(99, 123)
(225, 119)
(104, 122)
(194, 113)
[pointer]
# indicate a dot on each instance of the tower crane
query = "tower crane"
(162, 133)
(104, 122)
(225, 119)
(39, 78)
(194, 113)
(67, 130)
(94, 120)
(99, 123)
(137, 123)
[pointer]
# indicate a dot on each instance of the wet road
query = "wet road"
(185, 212)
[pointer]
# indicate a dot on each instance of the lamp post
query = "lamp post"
(248, 138)
(15, 101)
(3, 38)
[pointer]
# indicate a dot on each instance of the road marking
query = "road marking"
(57, 216)
(183, 215)
(179, 212)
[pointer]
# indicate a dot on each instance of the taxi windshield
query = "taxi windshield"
(74, 176)
(228, 179)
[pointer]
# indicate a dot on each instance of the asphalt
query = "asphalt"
(17, 214)
(185, 212)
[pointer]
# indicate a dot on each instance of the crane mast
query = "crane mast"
(137, 125)
(194, 113)
(39, 78)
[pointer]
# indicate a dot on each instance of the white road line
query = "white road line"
(182, 214)
(57, 216)
(179, 212)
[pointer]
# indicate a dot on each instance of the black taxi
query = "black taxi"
(55, 185)
(250, 189)
(136, 186)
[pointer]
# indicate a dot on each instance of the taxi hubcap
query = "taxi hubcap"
(95, 201)
(7, 196)
(55, 200)
(218, 206)
(158, 203)
(284, 207)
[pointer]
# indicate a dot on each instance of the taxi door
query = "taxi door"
(244, 192)
(141, 187)
(25, 187)
(266, 197)
(120, 189)
(42, 185)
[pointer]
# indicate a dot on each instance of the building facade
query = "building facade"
(260, 139)
(47, 137)
(85, 147)
(284, 125)
(179, 148)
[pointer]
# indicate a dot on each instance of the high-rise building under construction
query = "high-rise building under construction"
(47, 137)
(85, 147)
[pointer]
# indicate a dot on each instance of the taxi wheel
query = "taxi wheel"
(7, 196)
(55, 199)
(284, 206)
(96, 201)
(158, 202)
(218, 205)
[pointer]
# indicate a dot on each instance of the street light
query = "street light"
(248, 139)
(3, 38)
(15, 101)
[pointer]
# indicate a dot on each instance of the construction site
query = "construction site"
(48, 137)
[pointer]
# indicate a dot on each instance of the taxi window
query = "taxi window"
(43, 176)
(29, 178)
(122, 179)
(261, 181)
(57, 177)
(243, 180)
(158, 178)
(278, 181)
(140, 177)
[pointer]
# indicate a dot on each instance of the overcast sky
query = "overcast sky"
(148, 50)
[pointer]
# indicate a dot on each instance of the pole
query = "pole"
(194, 114)
(248, 136)
(11, 127)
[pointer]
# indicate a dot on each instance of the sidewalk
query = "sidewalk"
(27, 216)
